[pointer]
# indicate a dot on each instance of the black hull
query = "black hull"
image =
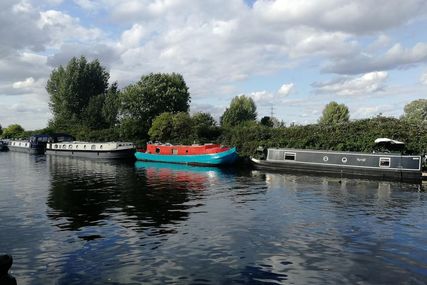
(337, 171)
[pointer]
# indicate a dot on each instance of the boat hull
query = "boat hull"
(113, 154)
(362, 165)
(222, 158)
(27, 149)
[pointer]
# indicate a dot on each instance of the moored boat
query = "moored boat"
(37, 143)
(3, 146)
(377, 165)
(97, 150)
(207, 154)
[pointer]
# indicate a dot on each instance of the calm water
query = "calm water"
(72, 221)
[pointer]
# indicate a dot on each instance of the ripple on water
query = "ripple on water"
(71, 221)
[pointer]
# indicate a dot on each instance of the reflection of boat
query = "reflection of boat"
(193, 177)
(208, 154)
(382, 165)
(107, 150)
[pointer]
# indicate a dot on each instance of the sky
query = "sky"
(291, 56)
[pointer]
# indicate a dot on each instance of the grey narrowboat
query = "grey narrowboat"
(377, 165)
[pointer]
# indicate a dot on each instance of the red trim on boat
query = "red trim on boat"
(185, 149)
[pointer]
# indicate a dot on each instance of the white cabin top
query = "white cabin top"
(90, 146)
(387, 140)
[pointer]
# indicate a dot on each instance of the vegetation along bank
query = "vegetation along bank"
(157, 107)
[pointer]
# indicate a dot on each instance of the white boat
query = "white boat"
(98, 150)
(25, 146)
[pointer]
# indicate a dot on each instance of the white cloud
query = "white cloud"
(396, 57)
(87, 4)
(131, 38)
(423, 78)
(262, 97)
(355, 17)
(285, 89)
(366, 84)
(23, 84)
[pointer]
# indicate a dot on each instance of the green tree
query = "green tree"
(205, 128)
(241, 109)
(182, 128)
(1, 130)
(267, 121)
(152, 95)
(334, 113)
(71, 89)
(162, 127)
(110, 109)
(416, 111)
(13, 131)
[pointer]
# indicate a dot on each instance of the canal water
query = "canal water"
(75, 221)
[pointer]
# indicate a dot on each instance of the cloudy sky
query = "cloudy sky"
(294, 56)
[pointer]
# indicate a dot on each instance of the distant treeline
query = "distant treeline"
(157, 108)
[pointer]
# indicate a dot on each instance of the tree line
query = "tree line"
(156, 108)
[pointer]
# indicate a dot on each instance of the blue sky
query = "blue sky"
(292, 55)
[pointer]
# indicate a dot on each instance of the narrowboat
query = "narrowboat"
(37, 143)
(97, 150)
(3, 146)
(207, 154)
(377, 165)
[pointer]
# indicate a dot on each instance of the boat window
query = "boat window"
(70, 146)
(63, 146)
(157, 150)
(100, 147)
(77, 146)
(93, 147)
(385, 162)
(56, 146)
(186, 151)
(174, 151)
(289, 156)
(84, 147)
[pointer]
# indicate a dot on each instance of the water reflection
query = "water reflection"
(76, 221)
(87, 192)
(180, 176)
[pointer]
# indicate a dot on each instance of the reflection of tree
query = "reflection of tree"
(81, 190)
(85, 192)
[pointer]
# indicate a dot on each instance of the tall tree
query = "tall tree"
(416, 111)
(241, 109)
(149, 97)
(110, 109)
(334, 113)
(71, 89)
(1, 130)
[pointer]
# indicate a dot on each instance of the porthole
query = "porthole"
(344, 159)
(325, 158)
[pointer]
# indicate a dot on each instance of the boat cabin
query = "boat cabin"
(196, 149)
(386, 145)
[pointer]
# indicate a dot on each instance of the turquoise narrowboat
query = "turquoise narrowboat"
(207, 154)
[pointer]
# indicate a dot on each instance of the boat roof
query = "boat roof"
(387, 140)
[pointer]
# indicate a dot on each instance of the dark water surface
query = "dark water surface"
(73, 221)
